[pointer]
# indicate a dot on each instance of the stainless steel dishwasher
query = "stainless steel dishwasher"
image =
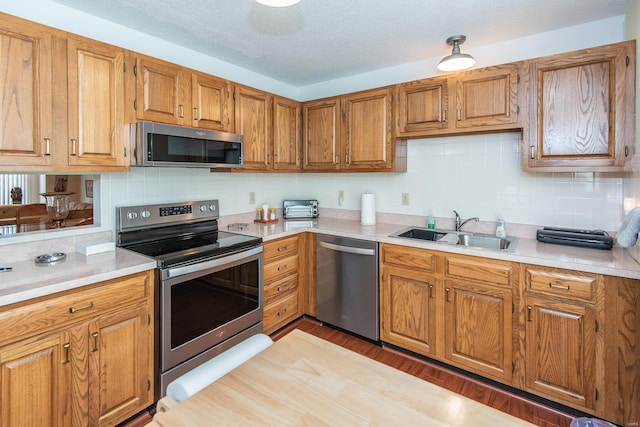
(347, 284)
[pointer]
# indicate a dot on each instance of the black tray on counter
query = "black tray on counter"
(596, 239)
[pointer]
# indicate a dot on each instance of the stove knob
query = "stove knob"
(145, 214)
(203, 208)
(212, 207)
(132, 215)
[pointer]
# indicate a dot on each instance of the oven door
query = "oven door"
(204, 304)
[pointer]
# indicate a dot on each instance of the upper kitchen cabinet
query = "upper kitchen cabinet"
(353, 132)
(321, 134)
(479, 100)
(253, 110)
(97, 130)
(26, 133)
(581, 110)
(212, 103)
(161, 91)
(287, 134)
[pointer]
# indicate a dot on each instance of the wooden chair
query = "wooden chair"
(35, 213)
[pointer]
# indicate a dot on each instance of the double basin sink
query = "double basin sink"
(459, 238)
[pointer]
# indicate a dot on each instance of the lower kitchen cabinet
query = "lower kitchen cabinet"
(281, 283)
(84, 358)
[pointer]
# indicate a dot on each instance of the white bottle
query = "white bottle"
(500, 228)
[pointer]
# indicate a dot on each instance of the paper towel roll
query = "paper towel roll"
(368, 209)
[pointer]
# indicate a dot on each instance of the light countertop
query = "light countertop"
(615, 262)
(28, 280)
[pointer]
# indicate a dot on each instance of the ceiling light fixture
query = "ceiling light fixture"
(278, 3)
(456, 61)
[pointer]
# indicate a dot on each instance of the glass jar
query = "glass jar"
(259, 214)
(272, 214)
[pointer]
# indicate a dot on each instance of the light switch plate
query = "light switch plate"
(252, 198)
(405, 199)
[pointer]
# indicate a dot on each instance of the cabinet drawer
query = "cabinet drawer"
(408, 257)
(280, 267)
(280, 313)
(561, 283)
(278, 288)
(280, 248)
(488, 271)
(45, 315)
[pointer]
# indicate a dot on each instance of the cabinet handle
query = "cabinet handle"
(47, 146)
(74, 147)
(532, 152)
(279, 289)
(337, 159)
(95, 341)
(447, 291)
(459, 114)
(346, 159)
(195, 113)
(84, 307)
(284, 267)
(282, 248)
(66, 346)
(558, 286)
(529, 310)
(181, 111)
(280, 313)
(444, 116)
(431, 291)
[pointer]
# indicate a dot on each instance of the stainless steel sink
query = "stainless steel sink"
(459, 238)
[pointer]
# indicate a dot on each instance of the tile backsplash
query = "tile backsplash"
(479, 175)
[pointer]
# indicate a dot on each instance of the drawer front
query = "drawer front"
(281, 248)
(53, 313)
(405, 256)
(561, 283)
(488, 271)
(281, 312)
(280, 267)
(278, 288)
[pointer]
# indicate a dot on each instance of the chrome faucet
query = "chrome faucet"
(459, 224)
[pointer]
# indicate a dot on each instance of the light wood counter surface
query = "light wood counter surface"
(304, 380)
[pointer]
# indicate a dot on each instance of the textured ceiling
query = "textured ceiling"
(319, 40)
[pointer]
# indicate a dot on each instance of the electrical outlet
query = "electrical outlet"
(340, 197)
(252, 198)
(405, 199)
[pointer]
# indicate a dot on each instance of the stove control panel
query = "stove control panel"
(144, 216)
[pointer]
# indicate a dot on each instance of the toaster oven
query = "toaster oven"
(300, 209)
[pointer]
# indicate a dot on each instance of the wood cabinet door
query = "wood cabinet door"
(211, 102)
(161, 91)
(367, 135)
(253, 122)
(479, 328)
(560, 352)
(408, 309)
(423, 106)
(287, 134)
(581, 111)
(487, 97)
(120, 366)
(321, 134)
(34, 382)
(26, 129)
(96, 104)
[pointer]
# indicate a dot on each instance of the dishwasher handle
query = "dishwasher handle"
(348, 249)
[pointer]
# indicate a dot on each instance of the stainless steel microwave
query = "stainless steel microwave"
(157, 144)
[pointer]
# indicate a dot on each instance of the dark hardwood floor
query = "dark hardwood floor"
(496, 397)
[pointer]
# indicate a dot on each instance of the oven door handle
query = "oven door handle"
(214, 263)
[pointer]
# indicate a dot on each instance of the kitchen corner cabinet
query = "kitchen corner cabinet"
(26, 123)
(253, 114)
(96, 94)
(563, 337)
(81, 358)
(581, 110)
(455, 309)
(353, 132)
(281, 283)
(484, 99)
